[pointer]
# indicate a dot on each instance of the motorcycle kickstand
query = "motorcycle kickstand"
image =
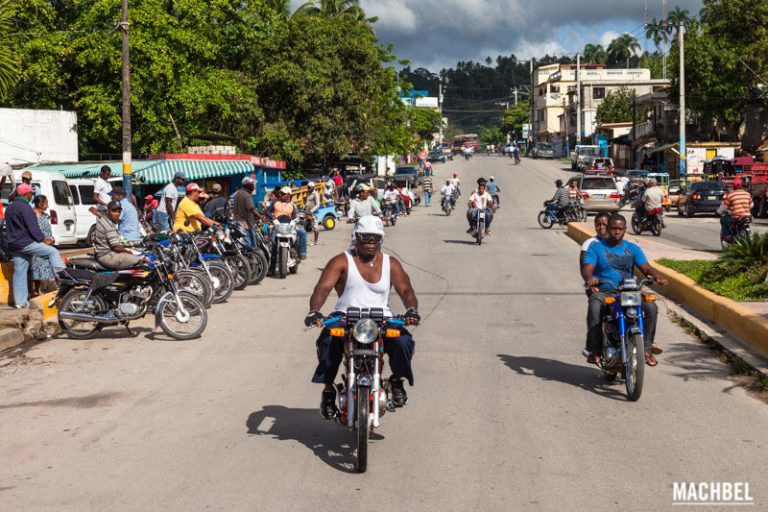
(128, 328)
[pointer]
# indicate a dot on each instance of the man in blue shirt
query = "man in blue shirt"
(129, 218)
(612, 260)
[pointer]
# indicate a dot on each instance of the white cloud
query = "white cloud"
(393, 15)
(607, 37)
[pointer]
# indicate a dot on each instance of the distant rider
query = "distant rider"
(611, 261)
(362, 277)
(737, 204)
(363, 204)
(448, 193)
(493, 189)
(456, 183)
(651, 200)
(391, 194)
(559, 201)
(480, 200)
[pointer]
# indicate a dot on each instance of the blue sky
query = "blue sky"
(439, 33)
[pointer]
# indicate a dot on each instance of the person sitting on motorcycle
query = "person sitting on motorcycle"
(391, 194)
(650, 201)
(737, 204)
(559, 201)
(447, 192)
(493, 189)
(601, 233)
(312, 204)
(284, 207)
(607, 263)
(480, 200)
(456, 183)
(574, 194)
(362, 277)
(363, 205)
(110, 248)
(189, 215)
(516, 153)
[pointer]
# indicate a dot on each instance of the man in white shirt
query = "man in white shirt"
(456, 184)
(651, 199)
(102, 188)
(166, 212)
(363, 204)
(392, 194)
(480, 200)
(328, 188)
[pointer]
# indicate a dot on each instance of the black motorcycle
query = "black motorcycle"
(652, 221)
(91, 297)
(740, 228)
(572, 213)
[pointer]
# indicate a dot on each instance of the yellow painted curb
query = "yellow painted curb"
(49, 313)
(6, 275)
(737, 319)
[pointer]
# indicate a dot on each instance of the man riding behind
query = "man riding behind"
(391, 194)
(606, 264)
(737, 205)
(362, 277)
(480, 200)
(456, 183)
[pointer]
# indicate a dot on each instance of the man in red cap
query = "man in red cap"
(189, 210)
(736, 205)
(25, 239)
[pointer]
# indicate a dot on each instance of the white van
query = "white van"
(82, 195)
(54, 186)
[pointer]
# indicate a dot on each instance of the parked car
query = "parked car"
(437, 155)
(447, 150)
(543, 150)
(82, 197)
(700, 197)
(52, 185)
(410, 172)
(600, 193)
(582, 157)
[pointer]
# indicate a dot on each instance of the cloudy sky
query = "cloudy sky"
(438, 33)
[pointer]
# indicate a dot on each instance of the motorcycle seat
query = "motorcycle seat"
(88, 263)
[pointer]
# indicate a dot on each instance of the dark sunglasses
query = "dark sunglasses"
(369, 238)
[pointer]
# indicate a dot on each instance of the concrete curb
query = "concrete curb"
(729, 314)
(21, 329)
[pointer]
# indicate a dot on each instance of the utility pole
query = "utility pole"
(683, 156)
(634, 129)
(578, 99)
(533, 102)
(127, 162)
(515, 95)
(440, 107)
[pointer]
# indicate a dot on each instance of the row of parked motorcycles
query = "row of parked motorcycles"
(180, 277)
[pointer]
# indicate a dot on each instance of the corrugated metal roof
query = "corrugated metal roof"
(163, 172)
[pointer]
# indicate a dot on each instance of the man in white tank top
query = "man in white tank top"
(362, 277)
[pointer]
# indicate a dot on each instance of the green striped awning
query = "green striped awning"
(163, 172)
(92, 170)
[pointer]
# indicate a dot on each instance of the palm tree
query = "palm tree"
(623, 47)
(9, 63)
(334, 9)
(655, 33)
(677, 17)
(595, 54)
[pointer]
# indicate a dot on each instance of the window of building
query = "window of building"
(598, 93)
(554, 88)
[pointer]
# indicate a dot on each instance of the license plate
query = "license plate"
(598, 196)
(712, 198)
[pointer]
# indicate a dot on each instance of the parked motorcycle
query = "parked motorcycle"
(287, 257)
(363, 396)
(740, 228)
(653, 222)
(91, 297)
(623, 328)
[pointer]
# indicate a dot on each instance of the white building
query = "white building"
(34, 136)
(555, 95)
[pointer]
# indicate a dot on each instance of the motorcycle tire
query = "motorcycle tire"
(72, 302)
(196, 284)
(633, 376)
(241, 270)
(197, 320)
(223, 284)
(363, 427)
(656, 228)
(282, 263)
(259, 266)
(295, 257)
(479, 233)
(545, 221)
(636, 228)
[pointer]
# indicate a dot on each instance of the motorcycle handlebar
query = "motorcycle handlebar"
(644, 282)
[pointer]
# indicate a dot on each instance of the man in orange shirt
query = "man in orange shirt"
(737, 204)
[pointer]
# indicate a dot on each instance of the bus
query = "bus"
(467, 139)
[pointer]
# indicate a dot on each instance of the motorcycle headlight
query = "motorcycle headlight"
(365, 331)
(629, 299)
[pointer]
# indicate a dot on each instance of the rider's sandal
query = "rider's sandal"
(593, 359)
(656, 349)
(650, 360)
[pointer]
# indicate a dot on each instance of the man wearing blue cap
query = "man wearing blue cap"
(166, 211)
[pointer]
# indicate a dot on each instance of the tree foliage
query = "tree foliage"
(595, 54)
(9, 63)
(616, 107)
(623, 48)
(515, 117)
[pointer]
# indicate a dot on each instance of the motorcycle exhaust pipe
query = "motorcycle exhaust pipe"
(81, 317)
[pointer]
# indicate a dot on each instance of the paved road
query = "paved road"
(505, 414)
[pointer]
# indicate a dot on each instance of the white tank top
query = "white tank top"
(359, 293)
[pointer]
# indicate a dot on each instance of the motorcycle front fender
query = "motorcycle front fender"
(167, 296)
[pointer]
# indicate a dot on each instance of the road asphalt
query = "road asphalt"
(505, 414)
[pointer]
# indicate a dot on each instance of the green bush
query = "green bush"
(739, 282)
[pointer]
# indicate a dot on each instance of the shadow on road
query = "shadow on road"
(551, 369)
(461, 242)
(328, 441)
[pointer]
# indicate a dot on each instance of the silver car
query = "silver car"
(600, 193)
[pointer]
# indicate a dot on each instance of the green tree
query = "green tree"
(424, 122)
(623, 48)
(617, 107)
(595, 54)
(656, 33)
(491, 135)
(334, 9)
(515, 117)
(9, 63)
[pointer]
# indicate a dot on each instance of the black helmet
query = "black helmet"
(559, 183)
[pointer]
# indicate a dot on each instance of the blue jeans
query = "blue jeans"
(23, 259)
(552, 209)
(162, 220)
(473, 218)
(725, 224)
(427, 198)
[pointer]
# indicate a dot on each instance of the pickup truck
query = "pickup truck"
(582, 157)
